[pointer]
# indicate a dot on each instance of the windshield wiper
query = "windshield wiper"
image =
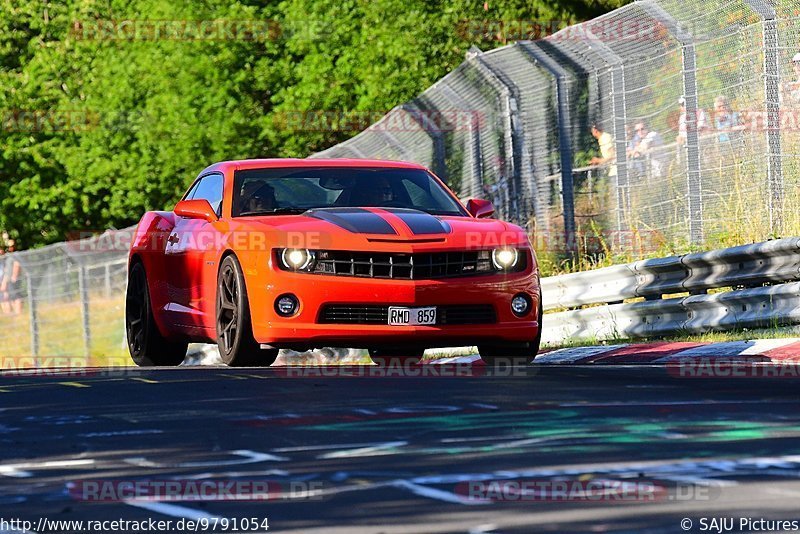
(276, 211)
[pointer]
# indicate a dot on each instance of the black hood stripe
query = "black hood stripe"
(421, 223)
(356, 220)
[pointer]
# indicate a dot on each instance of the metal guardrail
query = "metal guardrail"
(745, 269)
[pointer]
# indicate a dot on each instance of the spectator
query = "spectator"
(11, 283)
(648, 146)
(726, 121)
(790, 90)
(635, 166)
(701, 122)
(608, 152)
(4, 305)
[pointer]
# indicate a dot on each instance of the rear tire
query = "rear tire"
(513, 354)
(237, 347)
(145, 343)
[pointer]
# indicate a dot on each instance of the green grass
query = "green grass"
(61, 333)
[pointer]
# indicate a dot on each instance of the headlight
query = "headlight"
(297, 259)
(505, 258)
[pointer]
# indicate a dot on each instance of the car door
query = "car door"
(191, 243)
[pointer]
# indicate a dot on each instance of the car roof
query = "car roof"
(299, 163)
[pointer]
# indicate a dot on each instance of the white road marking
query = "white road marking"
(21, 470)
(172, 510)
(248, 457)
(437, 494)
(380, 449)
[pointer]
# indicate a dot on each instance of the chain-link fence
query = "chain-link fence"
(698, 105)
(65, 300)
(696, 108)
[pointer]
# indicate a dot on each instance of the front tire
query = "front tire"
(237, 347)
(514, 354)
(145, 343)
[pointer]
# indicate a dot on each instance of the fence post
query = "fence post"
(565, 146)
(618, 104)
(434, 131)
(107, 280)
(511, 132)
(33, 317)
(689, 59)
(84, 296)
(475, 187)
(772, 101)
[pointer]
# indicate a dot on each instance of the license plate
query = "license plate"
(399, 316)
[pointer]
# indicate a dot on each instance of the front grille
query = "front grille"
(371, 314)
(418, 266)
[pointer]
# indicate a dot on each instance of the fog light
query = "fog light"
(286, 305)
(520, 304)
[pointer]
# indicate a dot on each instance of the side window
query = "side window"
(210, 188)
(190, 193)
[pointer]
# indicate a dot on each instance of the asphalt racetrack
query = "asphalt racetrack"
(537, 448)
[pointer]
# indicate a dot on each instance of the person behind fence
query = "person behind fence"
(4, 306)
(790, 90)
(648, 147)
(11, 282)
(635, 166)
(726, 121)
(701, 123)
(608, 153)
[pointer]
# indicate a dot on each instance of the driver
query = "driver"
(378, 192)
(258, 196)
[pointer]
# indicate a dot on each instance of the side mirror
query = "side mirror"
(196, 209)
(480, 209)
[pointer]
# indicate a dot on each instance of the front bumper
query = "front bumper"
(314, 291)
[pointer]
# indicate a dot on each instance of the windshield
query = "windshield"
(295, 190)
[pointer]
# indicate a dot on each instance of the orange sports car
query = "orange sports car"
(261, 255)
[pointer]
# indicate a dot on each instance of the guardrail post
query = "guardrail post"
(33, 317)
(565, 146)
(84, 296)
(772, 101)
(689, 59)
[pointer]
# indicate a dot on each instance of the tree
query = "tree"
(108, 112)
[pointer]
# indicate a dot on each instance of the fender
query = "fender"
(148, 244)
